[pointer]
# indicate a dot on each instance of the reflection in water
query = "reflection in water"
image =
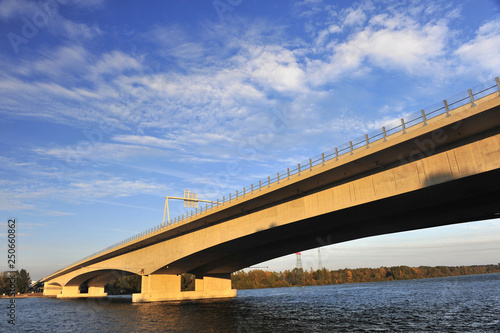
(456, 304)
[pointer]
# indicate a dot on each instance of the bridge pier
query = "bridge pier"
(74, 292)
(166, 287)
(69, 292)
(97, 291)
(51, 289)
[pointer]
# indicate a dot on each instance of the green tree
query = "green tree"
(128, 284)
(23, 281)
(298, 277)
(4, 283)
(187, 282)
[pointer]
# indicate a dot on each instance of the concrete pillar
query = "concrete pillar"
(74, 291)
(97, 291)
(220, 282)
(96, 286)
(165, 287)
(158, 287)
(51, 289)
(199, 284)
(70, 292)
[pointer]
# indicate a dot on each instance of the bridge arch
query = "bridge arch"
(98, 277)
(95, 280)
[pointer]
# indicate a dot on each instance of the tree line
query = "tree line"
(21, 280)
(255, 279)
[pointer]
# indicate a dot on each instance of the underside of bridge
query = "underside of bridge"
(447, 203)
(443, 200)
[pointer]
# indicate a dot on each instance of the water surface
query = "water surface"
(453, 304)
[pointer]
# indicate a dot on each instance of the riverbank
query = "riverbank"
(257, 279)
(28, 295)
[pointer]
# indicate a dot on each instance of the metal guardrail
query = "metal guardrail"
(396, 126)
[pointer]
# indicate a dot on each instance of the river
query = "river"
(451, 304)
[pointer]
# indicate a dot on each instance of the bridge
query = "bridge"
(433, 168)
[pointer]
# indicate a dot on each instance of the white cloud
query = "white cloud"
(86, 3)
(77, 31)
(64, 60)
(413, 48)
(174, 41)
(309, 8)
(57, 213)
(10, 202)
(47, 15)
(21, 198)
(389, 42)
(483, 52)
(147, 140)
(110, 152)
(210, 108)
(114, 187)
(324, 34)
(115, 62)
(355, 17)
(274, 68)
(16, 8)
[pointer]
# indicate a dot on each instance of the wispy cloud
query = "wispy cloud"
(10, 9)
(149, 141)
(483, 52)
(215, 107)
(115, 187)
(389, 41)
(16, 196)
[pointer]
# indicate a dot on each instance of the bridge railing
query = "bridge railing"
(396, 126)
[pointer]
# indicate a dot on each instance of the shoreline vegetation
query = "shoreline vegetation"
(258, 279)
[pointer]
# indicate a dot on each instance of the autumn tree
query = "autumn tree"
(125, 285)
(299, 277)
(21, 279)
(4, 283)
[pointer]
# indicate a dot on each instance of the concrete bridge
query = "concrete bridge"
(442, 167)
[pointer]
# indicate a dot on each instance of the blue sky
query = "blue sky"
(108, 106)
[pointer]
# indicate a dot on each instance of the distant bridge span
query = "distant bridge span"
(441, 171)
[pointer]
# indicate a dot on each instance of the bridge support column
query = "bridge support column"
(217, 286)
(165, 287)
(158, 287)
(74, 292)
(199, 284)
(69, 292)
(97, 291)
(51, 290)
